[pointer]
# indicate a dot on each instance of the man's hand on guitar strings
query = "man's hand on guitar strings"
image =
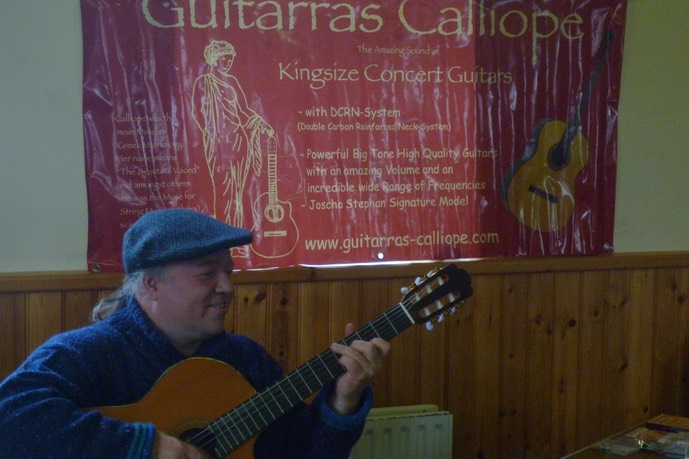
(362, 361)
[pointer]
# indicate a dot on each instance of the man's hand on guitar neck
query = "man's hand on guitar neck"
(363, 360)
(168, 447)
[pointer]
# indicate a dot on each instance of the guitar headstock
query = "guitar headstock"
(437, 294)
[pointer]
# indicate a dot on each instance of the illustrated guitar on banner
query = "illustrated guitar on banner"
(275, 231)
(539, 190)
(208, 404)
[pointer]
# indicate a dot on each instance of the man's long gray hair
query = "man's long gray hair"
(131, 287)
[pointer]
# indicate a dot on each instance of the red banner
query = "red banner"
(358, 131)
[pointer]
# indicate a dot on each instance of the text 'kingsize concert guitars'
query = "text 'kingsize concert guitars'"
(539, 190)
(208, 404)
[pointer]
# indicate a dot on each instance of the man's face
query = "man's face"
(192, 298)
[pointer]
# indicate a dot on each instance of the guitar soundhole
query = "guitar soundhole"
(559, 156)
(274, 213)
(201, 438)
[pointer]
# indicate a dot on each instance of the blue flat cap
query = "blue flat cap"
(167, 235)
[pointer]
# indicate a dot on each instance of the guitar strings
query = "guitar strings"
(248, 410)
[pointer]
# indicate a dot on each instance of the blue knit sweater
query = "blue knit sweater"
(116, 362)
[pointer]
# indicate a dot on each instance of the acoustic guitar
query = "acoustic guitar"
(275, 231)
(539, 190)
(221, 413)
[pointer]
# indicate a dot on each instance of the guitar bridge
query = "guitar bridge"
(543, 194)
(274, 233)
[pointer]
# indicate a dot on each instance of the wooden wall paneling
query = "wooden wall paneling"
(589, 416)
(341, 309)
(616, 359)
(485, 419)
(283, 307)
(13, 341)
(665, 343)
(344, 308)
(460, 378)
(683, 321)
(43, 317)
(427, 381)
(403, 363)
(596, 342)
(251, 312)
(375, 296)
(513, 336)
(231, 316)
(539, 364)
(77, 308)
(100, 294)
(314, 319)
(640, 350)
(432, 363)
(566, 319)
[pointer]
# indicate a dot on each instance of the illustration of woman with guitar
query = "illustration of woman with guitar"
(154, 374)
(234, 140)
(232, 134)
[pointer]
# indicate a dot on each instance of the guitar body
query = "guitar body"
(539, 192)
(187, 397)
(275, 231)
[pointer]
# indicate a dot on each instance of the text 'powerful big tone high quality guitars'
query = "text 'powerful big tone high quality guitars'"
(539, 190)
(208, 404)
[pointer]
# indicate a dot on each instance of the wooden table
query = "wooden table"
(594, 452)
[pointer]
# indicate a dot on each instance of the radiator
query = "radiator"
(406, 432)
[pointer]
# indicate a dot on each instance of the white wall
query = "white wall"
(43, 213)
(652, 210)
(43, 210)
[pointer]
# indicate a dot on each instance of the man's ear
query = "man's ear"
(149, 285)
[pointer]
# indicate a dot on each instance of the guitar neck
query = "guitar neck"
(255, 414)
(272, 171)
(561, 151)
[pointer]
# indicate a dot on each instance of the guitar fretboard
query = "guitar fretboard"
(272, 171)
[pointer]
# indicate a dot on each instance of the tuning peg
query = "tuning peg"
(418, 281)
(404, 290)
(429, 325)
